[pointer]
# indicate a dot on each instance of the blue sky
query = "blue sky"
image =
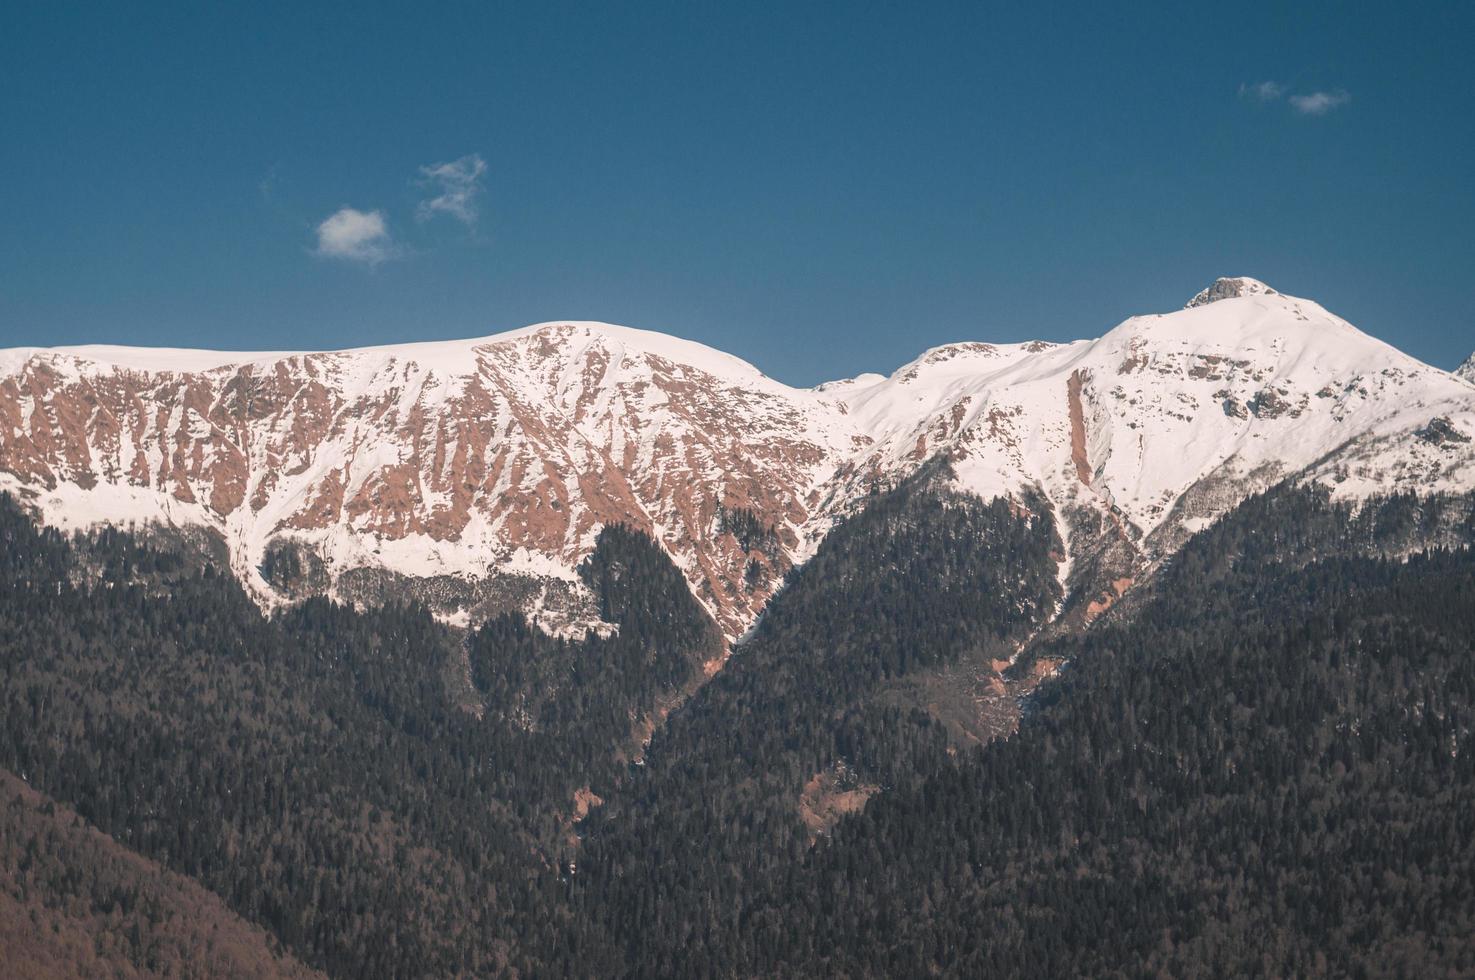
(822, 189)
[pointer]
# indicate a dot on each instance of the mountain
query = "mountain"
(1167, 421)
(492, 461)
(1467, 370)
(475, 475)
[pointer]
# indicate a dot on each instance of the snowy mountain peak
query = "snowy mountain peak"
(572, 335)
(1231, 287)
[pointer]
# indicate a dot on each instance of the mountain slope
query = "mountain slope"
(1238, 748)
(1264, 768)
(75, 902)
(474, 475)
(1267, 771)
(321, 770)
(475, 459)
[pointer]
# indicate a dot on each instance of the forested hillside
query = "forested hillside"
(1266, 770)
(74, 903)
(922, 576)
(1258, 765)
(319, 771)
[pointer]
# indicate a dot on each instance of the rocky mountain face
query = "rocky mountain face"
(481, 471)
(1467, 370)
(476, 474)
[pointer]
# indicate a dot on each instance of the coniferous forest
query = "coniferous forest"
(1259, 766)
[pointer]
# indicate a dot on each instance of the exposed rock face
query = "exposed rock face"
(470, 459)
(476, 474)
(1231, 288)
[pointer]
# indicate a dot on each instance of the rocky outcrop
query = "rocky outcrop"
(1441, 431)
(1229, 288)
(1467, 370)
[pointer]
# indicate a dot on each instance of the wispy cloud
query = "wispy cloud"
(355, 236)
(1319, 103)
(455, 185)
(1266, 91)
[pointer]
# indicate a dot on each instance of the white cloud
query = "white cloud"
(1266, 91)
(1319, 103)
(457, 185)
(358, 236)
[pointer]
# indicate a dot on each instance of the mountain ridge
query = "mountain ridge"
(476, 473)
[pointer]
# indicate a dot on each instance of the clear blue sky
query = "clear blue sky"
(822, 189)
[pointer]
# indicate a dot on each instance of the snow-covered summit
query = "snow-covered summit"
(1229, 288)
(1167, 420)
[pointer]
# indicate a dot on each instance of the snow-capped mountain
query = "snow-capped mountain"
(1146, 434)
(493, 460)
(1467, 370)
(478, 472)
